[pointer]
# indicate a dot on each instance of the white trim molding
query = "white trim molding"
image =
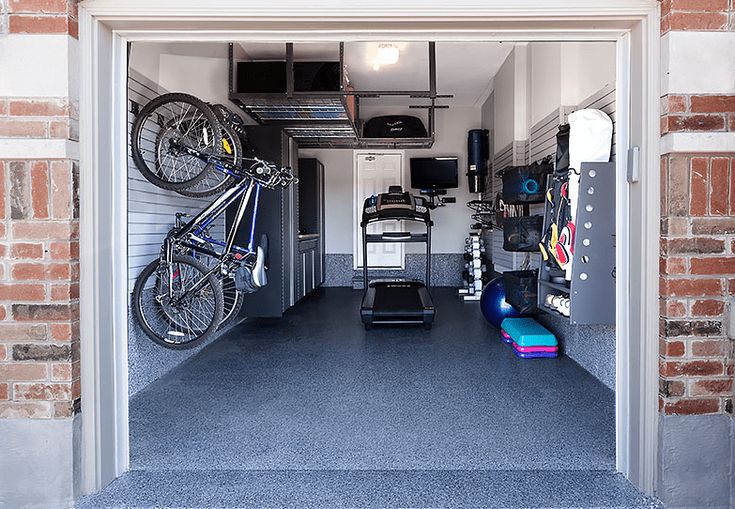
(106, 26)
(691, 143)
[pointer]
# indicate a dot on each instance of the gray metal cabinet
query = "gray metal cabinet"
(310, 259)
(277, 218)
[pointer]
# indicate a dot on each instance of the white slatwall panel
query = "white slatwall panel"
(151, 210)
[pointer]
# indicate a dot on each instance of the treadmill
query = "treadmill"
(396, 301)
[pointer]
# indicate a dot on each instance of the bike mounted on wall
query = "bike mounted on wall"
(197, 284)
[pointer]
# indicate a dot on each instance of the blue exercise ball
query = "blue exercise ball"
(494, 307)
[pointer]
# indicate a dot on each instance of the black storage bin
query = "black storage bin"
(521, 290)
(394, 126)
(522, 233)
(525, 184)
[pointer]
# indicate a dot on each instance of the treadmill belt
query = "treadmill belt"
(397, 301)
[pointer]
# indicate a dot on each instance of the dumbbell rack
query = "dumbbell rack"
(476, 273)
(591, 290)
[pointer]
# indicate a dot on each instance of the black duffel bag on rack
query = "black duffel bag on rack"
(526, 184)
(522, 233)
(394, 126)
(521, 290)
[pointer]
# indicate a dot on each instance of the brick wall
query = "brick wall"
(39, 274)
(697, 260)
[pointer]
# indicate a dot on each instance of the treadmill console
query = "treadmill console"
(395, 204)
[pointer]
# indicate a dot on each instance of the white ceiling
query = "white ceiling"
(464, 69)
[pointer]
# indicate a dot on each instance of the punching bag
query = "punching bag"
(478, 156)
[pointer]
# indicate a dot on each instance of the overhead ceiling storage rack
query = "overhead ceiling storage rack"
(331, 119)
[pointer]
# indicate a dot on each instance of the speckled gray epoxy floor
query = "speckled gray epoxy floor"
(314, 393)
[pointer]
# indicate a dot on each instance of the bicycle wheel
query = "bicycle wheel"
(232, 302)
(215, 181)
(171, 310)
(178, 118)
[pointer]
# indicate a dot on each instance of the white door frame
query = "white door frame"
(356, 214)
(106, 26)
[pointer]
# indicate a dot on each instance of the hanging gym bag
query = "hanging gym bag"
(394, 126)
(526, 184)
(522, 233)
(521, 289)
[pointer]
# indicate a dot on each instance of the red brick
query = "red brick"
(672, 388)
(713, 265)
(696, 245)
(61, 180)
(731, 125)
(678, 186)
(694, 368)
(26, 250)
(21, 23)
(21, 292)
(38, 108)
(709, 347)
(699, 5)
(45, 391)
(23, 331)
(2, 190)
(38, 6)
(28, 271)
(61, 372)
(64, 250)
(676, 104)
(673, 266)
(16, 128)
(74, 28)
(719, 186)
(64, 291)
(33, 230)
(4, 392)
(711, 387)
(698, 20)
(3, 352)
(713, 103)
(699, 122)
(672, 348)
(39, 189)
(692, 406)
(25, 410)
(698, 183)
(23, 371)
(708, 307)
(59, 129)
(44, 312)
(713, 225)
(61, 331)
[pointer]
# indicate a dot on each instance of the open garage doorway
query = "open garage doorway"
(295, 382)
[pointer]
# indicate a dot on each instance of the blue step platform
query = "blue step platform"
(528, 332)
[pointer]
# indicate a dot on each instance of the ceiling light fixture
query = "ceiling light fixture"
(387, 55)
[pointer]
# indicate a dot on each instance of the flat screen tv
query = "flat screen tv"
(434, 173)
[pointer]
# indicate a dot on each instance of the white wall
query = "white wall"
(545, 82)
(451, 223)
(588, 67)
(504, 129)
(199, 69)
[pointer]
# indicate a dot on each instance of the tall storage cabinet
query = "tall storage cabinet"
(277, 218)
(311, 245)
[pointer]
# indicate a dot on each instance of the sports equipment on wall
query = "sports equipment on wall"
(396, 301)
(478, 157)
(494, 307)
(178, 143)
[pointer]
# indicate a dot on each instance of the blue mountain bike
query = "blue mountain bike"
(197, 283)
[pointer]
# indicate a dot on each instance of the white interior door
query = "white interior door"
(374, 173)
